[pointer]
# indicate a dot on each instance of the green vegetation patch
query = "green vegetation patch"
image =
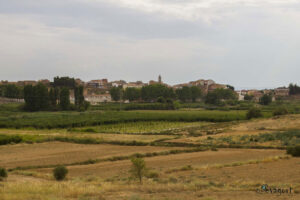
(52, 120)
(284, 139)
(148, 127)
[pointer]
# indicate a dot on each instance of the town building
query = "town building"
(119, 83)
(45, 82)
(241, 95)
(98, 98)
(282, 92)
(79, 82)
(24, 83)
(102, 83)
(138, 84)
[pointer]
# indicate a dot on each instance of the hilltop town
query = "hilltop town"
(98, 91)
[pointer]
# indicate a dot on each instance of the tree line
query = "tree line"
(156, 92)
(294, 89)
(40, 98)
(57, 97)
(11, 91)
(162, 93)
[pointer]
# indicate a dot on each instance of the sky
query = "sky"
(244, 43)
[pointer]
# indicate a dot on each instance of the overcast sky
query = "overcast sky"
(245, 43)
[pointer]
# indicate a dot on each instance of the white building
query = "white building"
(98, 98)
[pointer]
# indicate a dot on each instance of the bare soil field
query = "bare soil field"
(64, 153)
(161, 163)
(277, 172)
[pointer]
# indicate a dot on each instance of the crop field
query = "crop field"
(45, 133)
(52, 120)
(189, 154)
(150, 127)
(165, 163)
(277, 131)
(52, 153)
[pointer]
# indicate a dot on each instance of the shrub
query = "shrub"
(294, 151)
(3, 173)
(254, 113)
(280, 111)
(152, 174)
(60, 173)
(8, 139)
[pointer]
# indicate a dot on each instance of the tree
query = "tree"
(132, 94)
(294, 89)
(138, 169)
(266, 99)
(196, 93)
(64, 82)
(161, 100)
(216, 96)
(42, 100)
(30, 98)
(53, 97)
(36, 97)
(11, 91)
(248, 97)
(184, 94)
(116, 93)
(230, 87)
(64, 99)
(79, 97)
(151, 93)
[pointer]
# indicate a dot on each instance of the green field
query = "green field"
(142, 127)
(93, 118)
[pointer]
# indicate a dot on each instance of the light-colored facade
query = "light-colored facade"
(101, 83)
(138, 84)
(282, 92)
(241, 96)
(98, 98)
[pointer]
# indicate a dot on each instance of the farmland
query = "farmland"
(190, 153)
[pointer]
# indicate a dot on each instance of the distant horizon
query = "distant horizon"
(155, 79)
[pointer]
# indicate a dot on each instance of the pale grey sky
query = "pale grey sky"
(245, 43)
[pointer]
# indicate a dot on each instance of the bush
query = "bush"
(152, 174)
(60, 173)
(266, 99)
(280, 111)
(3, 173)
(8, 139)
(294, 151)
(254, 113)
